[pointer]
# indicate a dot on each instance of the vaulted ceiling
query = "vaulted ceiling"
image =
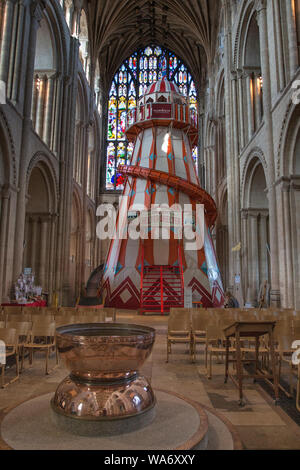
(118, 27)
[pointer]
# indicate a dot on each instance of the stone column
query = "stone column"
(263, 241)
(36, 16)
(271, 175)
(279, 44)
(230, 162)
(18, 53)
(6, 39)
(245, 252)
(57, 114)
(48, 110)
(249, 88)
(254, 256)
(44, 251)
(12, 50)
(295, 236)
(292, 37)
(288, 245)
(52, 247)
(35, 93)
(257, 99)
(40, 105)
(241, 109)
(34, 231)
(5, 197)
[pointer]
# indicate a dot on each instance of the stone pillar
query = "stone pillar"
(257, 99)
(12, 50)
(254, 255)
(36, 16)
(40, 105)
(292, 37)
(35, 93)
(57, 114)
(288, 245)
(48, 110)
(295, 236)
(250, 114)
(230, 162)
(263, 256)
(18, 53)
(44, 251)
(5, 197)
(271, 175)
(34, 231)
(279, 44)
(245, 252)
(6, 39)
(241, 109)
(52, 250)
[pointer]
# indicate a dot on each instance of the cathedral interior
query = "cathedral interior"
(77, 79)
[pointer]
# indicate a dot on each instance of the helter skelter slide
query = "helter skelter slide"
(151, 274)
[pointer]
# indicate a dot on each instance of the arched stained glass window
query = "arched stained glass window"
(130, 82)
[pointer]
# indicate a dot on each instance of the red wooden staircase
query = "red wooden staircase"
(162, 288)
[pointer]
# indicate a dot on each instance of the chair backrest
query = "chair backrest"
(21, 317)
(49, 311)
(62, 320)
(199, 322)
(214, 333)
(67, 310)
(43, 330)
(42, 321)
(13, 310)
(42, 317)
(179, 323)
(22, 328)
(30, 310)
(9, 336)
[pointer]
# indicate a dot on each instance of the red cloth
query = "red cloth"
(37, 303)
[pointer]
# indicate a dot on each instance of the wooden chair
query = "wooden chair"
(67, 310)
(215, 346)
(23, 330)
(42, 337)
(40, 317)
(10, 339)
(199, 323)
(13, 310)
(30, 310)
(285, 342)
(19, 317)
(48, 311)
(179, 331)
(61, 320)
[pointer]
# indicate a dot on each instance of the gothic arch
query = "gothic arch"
(43, 163)
(256, 153)
(246, 15)
(9, 155)
(288, 140)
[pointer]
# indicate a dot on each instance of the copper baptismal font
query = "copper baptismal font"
(104, 360)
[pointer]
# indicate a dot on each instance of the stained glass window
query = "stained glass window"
(130, 82)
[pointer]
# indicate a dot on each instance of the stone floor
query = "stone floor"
(260, 424)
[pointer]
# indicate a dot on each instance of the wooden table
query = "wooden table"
(251, 330)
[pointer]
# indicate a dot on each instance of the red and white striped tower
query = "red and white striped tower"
(152, 274)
